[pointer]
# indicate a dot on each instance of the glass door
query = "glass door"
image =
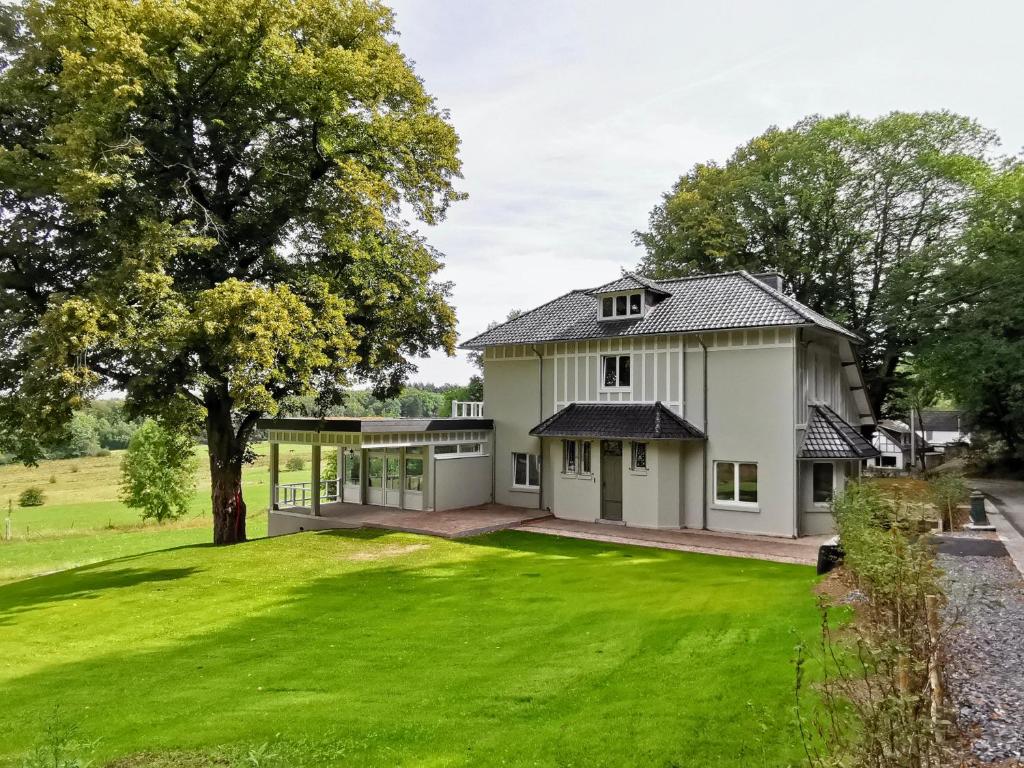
(375, 477)
(392, 479)
(413, 483)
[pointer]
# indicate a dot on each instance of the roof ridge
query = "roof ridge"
(702, 276)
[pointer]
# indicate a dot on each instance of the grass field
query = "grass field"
(370, 649)
(84, 522)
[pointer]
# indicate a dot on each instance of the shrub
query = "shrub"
(882, 693)
(947, 493)
(32, 497)
(158, 472)
(102, 452)
(53, 479)
(295, 464)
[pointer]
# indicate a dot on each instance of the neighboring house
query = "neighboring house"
(943, 427)
(892, 439)
(714, 401)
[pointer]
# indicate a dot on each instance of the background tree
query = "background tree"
(158, 472)
(976, 354)
(860, 217)
(202, 208)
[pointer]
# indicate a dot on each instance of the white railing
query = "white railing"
(467, 410)
(301, 494)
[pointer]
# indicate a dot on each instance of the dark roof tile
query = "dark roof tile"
(702, 303)
(828, 436)
(641, 421)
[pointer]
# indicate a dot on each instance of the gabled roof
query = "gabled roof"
(627, 282)
(900, 434)
(693, 304)
(640, 421)
(938, 420)
(828, 436)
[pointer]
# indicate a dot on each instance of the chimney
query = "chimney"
(771, 279)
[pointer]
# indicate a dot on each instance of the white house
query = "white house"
(714, 401)
(942, 427)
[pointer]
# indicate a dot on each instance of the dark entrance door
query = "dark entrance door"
(611, 480)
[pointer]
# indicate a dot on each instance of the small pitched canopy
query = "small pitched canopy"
(642, 421)
(829, 437)
(628, 282)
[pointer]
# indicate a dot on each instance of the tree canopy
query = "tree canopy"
(976, 353)
(203, 206)
(861, 217)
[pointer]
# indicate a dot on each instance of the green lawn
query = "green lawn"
(361, 648)
(84, 522)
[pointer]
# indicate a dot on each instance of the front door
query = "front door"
(611, 480)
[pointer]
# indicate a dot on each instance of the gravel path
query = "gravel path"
(986, 674)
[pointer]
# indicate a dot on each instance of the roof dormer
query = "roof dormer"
(628, 298)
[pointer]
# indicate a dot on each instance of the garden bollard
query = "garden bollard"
(979, 520)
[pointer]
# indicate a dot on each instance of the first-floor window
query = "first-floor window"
(569, 457)
(526, 470)
(736, 482)
(887, 461)
(585, 457)
(639, 456)
(822, 481)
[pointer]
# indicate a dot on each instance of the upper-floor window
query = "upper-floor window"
(626, 305)
(616, 371)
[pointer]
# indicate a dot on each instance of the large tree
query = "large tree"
(202, 206)
(976, 353)
(860, 216)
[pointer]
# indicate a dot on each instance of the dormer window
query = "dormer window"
(623, 305)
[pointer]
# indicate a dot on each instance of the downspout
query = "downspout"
(540, 418)
(704, 456)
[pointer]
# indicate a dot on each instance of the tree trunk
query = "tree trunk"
(226, 456)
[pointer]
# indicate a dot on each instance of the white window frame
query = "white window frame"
(570, 457)
(458, 453)
(633, 466)
(618, 373)
(735, 501)
(584, 458)
(823, 504)
(536, 462)
(616, 315)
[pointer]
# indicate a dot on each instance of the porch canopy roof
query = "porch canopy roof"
(830, 437)
(629, 421)
(375, 426)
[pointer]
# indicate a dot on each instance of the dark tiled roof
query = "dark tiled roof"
(829, 437)
(941, 421)
(702, 303)
(645, 421)
(628, 281)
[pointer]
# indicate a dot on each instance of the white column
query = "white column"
(275, 471)
(340, 474)
(316, 480)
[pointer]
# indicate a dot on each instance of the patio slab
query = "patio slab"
(451, 524)
(803, 551)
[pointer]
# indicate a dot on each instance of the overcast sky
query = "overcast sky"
(576, 116)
